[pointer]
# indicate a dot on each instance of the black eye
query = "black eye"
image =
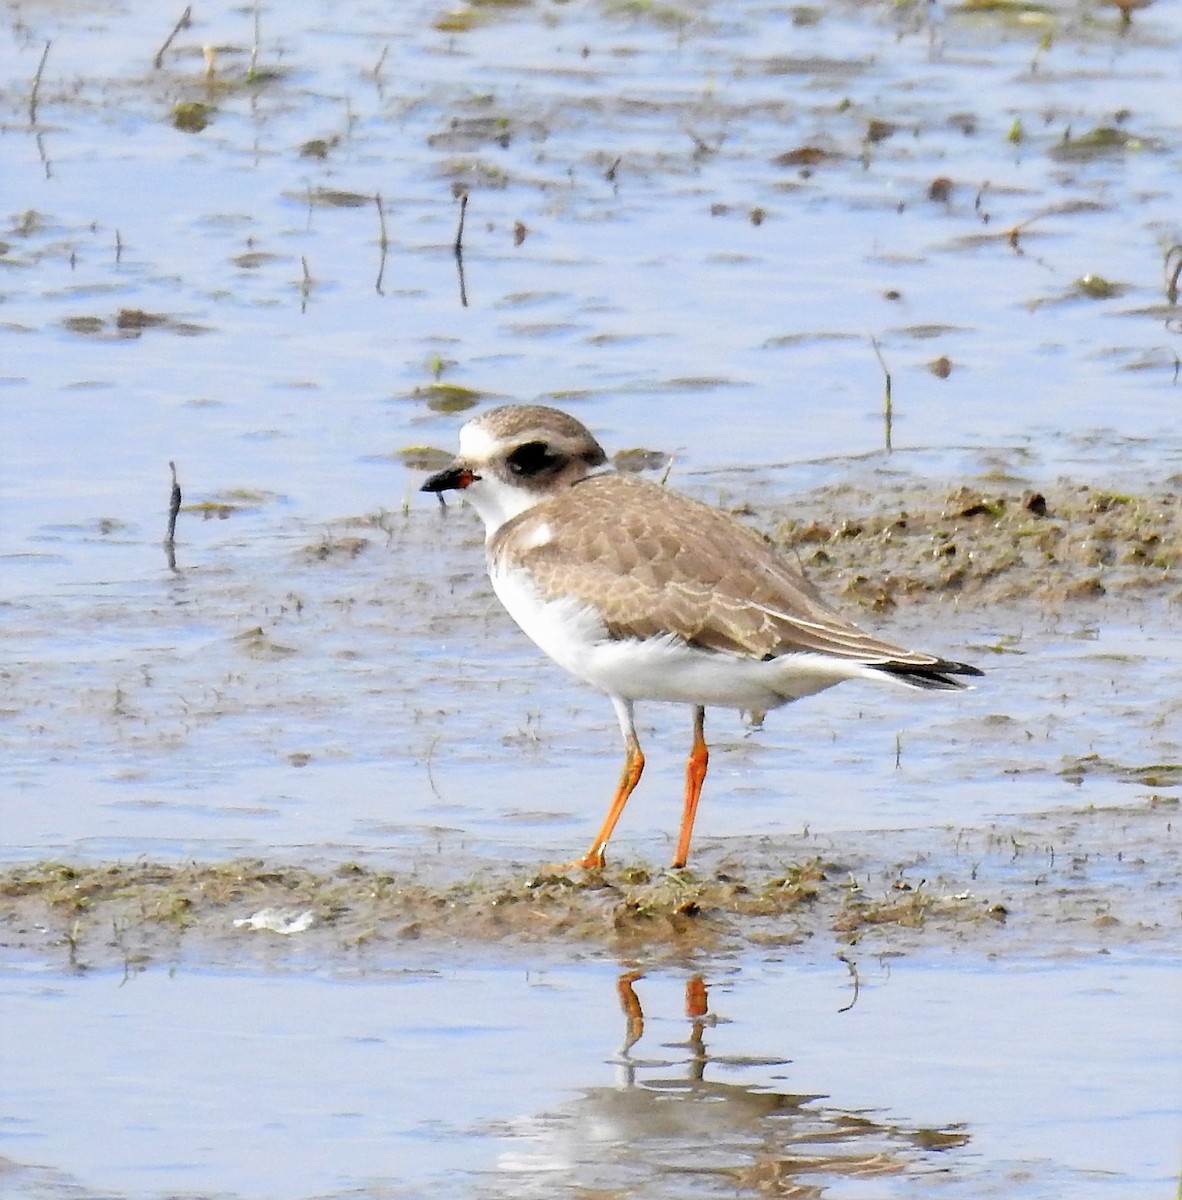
(531, 458)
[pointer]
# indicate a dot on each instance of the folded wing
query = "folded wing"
(660, 563)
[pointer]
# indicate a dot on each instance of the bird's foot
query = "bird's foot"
(589, 862)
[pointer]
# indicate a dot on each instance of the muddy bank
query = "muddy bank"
(1067, 883)
(987, 543)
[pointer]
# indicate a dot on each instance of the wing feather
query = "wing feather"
(656, 562)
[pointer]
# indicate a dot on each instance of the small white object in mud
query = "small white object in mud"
(278, 920)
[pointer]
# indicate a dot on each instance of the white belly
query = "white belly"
(661, 668)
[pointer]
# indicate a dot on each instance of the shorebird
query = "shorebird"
(650, 595)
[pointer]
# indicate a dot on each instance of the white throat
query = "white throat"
(497, 501)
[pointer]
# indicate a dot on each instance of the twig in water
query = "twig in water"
(853, 970)
(459, 246)
(183, 23)
(252, 69)
(305, 284)
(174, 508)
(174, 505)
(702, 149)
(383, 244)
(1172, 273)
(887, 410)
(463, 286)
(40, 140)
(37, 85)
(430, 774)
(376, 70)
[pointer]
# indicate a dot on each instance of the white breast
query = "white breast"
(569, 632)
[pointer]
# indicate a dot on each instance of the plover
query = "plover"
(650, 595)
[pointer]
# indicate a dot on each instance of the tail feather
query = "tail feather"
(935, 677)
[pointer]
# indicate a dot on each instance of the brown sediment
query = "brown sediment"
(1073, 882)
(987, 544)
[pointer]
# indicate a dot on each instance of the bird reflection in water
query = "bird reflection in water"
(659, 1132)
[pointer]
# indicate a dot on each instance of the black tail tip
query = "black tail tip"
(938, 676)
(958, 669)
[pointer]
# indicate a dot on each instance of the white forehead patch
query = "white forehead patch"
(476, 443)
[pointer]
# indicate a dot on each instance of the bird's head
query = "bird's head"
(516, 456)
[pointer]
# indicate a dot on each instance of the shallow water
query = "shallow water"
(287, 704)
(258, 381)
(289, 694)
(958, 1076)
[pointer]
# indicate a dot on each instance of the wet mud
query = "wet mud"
(1073, 883)
(990, 543)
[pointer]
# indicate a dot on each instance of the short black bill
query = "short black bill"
(450, 479)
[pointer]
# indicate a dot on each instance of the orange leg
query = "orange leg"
(696, 1003)
(696, 1008)
(629, 778)
(695, 774)
(633, 1013)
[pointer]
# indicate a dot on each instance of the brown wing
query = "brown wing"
(655, 561)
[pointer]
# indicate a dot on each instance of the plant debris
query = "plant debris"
(1064, 877)
(988, 545)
